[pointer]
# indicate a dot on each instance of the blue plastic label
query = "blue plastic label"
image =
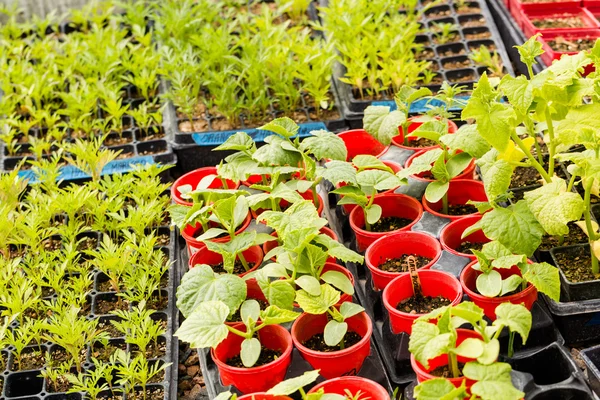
(70, 172)
(423, 105)
(595, 320)
(217, 138)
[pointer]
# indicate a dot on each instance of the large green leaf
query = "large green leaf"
(205, 326)
(545, 278)
(493, 381)
(578, 120)
(318, 304)
(382, 124)
(201, 284)
(325, 145)
(519, 92)
(467, 139)
(554, 206)
(426, 342)
(516, 317)
(239, 141)
(273, 153)
(367, 161)
(284, 126)
(274, 315)
(338, 172)
(439, 389)
(496, 174)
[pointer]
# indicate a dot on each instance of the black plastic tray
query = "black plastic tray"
(353, 108)
(28, 385)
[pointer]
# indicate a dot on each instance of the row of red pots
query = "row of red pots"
(353, 384)
(275, 337)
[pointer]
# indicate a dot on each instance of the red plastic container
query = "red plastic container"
(393, 205)
(394, 166)
(399, 140)
(466, 174)
(518, 9)
(537, 13)
(423, 374)
(451, 234)
(193, 178)
(336, 363)
(308, 195)
(263, 396)
(468, 277)
(358, 141)
(459, 193)
(255, 379)
(268, 246)
(550, 54)
(204, 256)
(433, 283)
(369, 389)
(190, 233)
(393, 246)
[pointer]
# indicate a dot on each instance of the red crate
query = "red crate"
(535, 13)
(550, 54)
(518, 8)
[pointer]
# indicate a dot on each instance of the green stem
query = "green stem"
(531, 158)
(243, 261)
(245, 335)
(511, 344)
(315, 197)
(588, 224)
(538, 149)
(530, 71)
(519, 164)
(445, 204)
(224, 183)
(571, 183)
(454, 365)
(552, 144)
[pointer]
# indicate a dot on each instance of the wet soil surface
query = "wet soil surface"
(422, 304)
(400, 264)
(388, 224)
(317, 342)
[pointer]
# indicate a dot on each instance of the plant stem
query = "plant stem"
(538, 150)
(315, 197)
(530, 71)
(552, 144)
(224, 183)
(445, 204)
(246, 335)
(571, 183)
(531, 158)
(453, 365)
(588, 223)
(243, 261)
(511, 344)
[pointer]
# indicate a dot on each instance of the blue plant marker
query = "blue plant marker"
(218, 138)
(420, 106)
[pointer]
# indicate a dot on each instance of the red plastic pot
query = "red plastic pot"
(336, 363)
(308, 195)
(368, 388)
(393, 246)
(548, 12)
(460, 192)
(263, 396)
(255, 379)
(190, 233)
(466, 174)
(399, 140)
(393, 205)
(468, 278)
(253, 255)
(550, 54)
(394, 166)
(518, 9)
(268, 246)
(193, 178)
(358, 141)
(451, 235)
(423, 374)
(433, 283)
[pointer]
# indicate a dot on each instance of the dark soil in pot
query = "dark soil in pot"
(317, 342)
(105, 306)
(422, 304)
(388, 224)
(266, 356)
(445, 372)
(575, 236)
(466, 246)
(151, 394)
(29, 360)
(421, 142)
(461, 209)
(103, 353)
(425, 54)
(576, 265)
(400, 264)
(564, 21)
(471, 8)
(238, 268)
(478, 35)
(456, 64)
(524, 176)
(565, 45)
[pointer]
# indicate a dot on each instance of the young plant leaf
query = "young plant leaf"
(545, 278)
(250, 310)
(467, 139)
(439, 389)
(205, 327)
(337, 280)
(284, 126)
(338, 172)
(310, 284)
(470, 348)
(334, 332)
(349, 309)
(489, 284)
(290, 386)
(318, 304)
(382, 124)
(427, 342)
(511, 284)
(436, 190)
(274, 315)
(493, 381)
(516, 317)
(496, 174)
(325, 145)
(250, 352)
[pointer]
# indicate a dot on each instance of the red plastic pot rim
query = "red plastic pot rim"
(472, 219)
(381, 242)
(189, 237)
(365, 382)
(456, 182)
(255, 251)
(253, 370)
(504, 299)
(366, 338)
(176, 196)
(404, 276)
(398, 196)
(362, 132)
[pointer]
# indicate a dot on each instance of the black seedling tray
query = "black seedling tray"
(29, 385)
(372, 369)
(439, 55)
(512, 36)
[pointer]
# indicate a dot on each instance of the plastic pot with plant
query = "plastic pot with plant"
(498, 276)
(252, 356)
(439, 348)
(334, 339)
